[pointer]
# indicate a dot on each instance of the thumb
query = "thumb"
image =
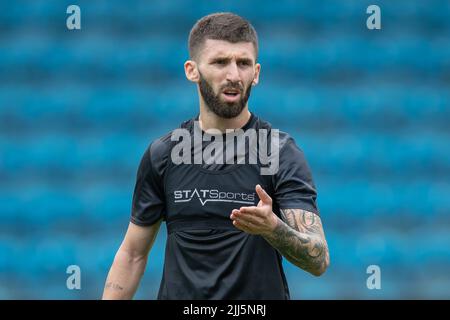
(262, 194)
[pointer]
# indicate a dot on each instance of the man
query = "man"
(216, 247)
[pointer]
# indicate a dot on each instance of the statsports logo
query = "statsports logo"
(213, 195)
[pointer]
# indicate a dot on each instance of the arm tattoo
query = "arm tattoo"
(299, 237)
(113, 286)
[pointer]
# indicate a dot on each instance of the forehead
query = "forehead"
(215, 48)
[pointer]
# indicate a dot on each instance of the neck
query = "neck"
(209, 120)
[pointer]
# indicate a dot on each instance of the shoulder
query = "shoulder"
(286, 142)
(159, 150)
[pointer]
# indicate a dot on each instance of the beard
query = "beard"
(221, 108)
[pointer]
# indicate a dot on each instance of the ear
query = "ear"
(257, 71)
(191, 71)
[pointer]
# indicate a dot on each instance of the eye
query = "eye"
(244, 63)
(220, 62)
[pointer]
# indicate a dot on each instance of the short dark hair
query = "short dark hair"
(221, 26)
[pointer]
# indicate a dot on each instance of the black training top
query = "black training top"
(207, 257)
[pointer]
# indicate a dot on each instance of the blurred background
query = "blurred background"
(370, 109)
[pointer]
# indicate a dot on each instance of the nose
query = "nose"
(233, 72)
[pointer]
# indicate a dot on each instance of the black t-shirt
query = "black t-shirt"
(206, 257)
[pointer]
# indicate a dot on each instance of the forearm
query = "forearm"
(307, 251)
(124, 276)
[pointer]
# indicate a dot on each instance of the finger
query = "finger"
(262, 194)
(254, 211)
(248, 219)
(251, 210)
(245, 226)
(241, 226)
(233, 214)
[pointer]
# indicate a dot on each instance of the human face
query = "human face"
(226, 73)
(214, 102)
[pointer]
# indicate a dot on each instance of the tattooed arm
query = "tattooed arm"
(299, 237)
(130, 261)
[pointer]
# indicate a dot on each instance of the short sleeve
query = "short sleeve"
(293, 183)
(148, 199)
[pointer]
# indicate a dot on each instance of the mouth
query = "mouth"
(231, 95)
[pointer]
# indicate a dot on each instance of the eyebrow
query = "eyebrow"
(227, 59)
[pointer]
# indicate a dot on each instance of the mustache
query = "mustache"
(233, 85)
